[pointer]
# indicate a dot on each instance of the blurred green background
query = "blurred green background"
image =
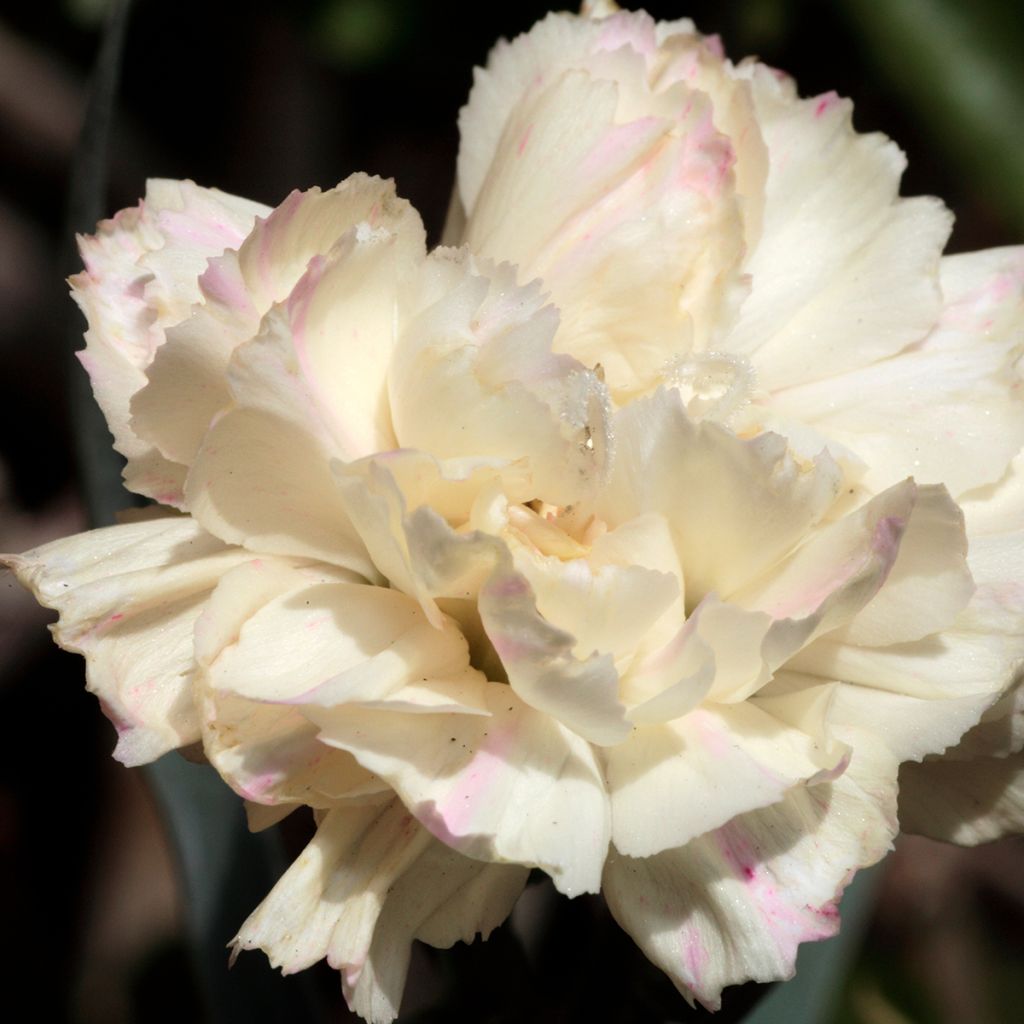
(259, 98)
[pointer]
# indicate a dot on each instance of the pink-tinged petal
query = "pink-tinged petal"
(719, 761)
(369, 883)
(650, 211)
(965, 802)
(516, 787)
(473, 376)
(140, 277)
(332, 644)
(734, 507)
(187, 383)
(302, 400)
(929, 584)
(845, 272)
(513, 69)
(277, 635)
(128, 598)
(734, 905)
(579, 690)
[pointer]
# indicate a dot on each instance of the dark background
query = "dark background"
(259, 98)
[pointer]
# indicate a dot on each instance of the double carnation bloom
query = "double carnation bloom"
(639, 534)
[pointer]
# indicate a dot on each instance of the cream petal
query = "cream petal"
(301, 401)
(516, 787)
(965, 802)
(674, 782)
(607, 608)
(140, 277)
(332, 644)
(187, 383)
(929, 584)
(266, 483)
(650, 212)
(473, 376)
(1001, 729)
(276, 636)
(128, 598)
(370, 882)
(580, 691)
(843, 265)
(920, 697)
(734, 507)
(734, 905)
(946, 410)
(417, 551)
(267, 753)
(719, 648)
(512, 68)
(441, 899)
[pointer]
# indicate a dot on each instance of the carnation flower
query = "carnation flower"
(615, 539)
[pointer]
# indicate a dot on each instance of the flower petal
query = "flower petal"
(947, 410)
(516, 787)
(734, 507)
(370, 882)
(650, 209)
(128, 598)
(734, 905)
(474, 376)
(187, 383)
(845, 272)
(714, 763)
(140, 277)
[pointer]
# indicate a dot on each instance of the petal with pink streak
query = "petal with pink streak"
(516, 787)
(673, 782)
(187, 382)
(735, 904)
(140, 276)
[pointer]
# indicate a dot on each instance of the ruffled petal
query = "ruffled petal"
(128, 598)
(187, 383)
(140, 277)
(845, 272)
(950, 409)
(673, 782)
(515, 787)
(297, 407)
(369, 883)
(735, 904)
(617, 177)
(734, 507)
(473, 376)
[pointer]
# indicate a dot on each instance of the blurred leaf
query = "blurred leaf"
(359, 34)
(959, 66)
